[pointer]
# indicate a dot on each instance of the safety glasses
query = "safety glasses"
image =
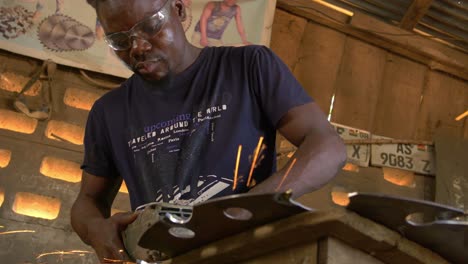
(145, 29)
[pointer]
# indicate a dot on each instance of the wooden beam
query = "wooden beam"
(310, 9)
(435, 55)
(438, 56)
(415, 12)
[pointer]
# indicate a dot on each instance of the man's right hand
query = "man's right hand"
(104, 235)
(91, 220)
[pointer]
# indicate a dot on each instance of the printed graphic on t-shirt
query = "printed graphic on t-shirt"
(168, 152)
(170, 133)
(207, 187)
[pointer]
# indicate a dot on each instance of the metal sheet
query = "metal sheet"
(439, 228)
(161, 236)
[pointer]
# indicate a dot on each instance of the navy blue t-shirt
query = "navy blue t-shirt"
(180, 143)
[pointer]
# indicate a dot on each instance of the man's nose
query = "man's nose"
(139, 47)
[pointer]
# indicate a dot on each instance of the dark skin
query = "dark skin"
(320, 153)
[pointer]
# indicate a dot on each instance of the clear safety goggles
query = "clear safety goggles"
(145, 29)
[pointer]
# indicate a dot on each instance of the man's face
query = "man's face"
(154, 57)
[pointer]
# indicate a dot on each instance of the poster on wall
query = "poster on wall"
(411, 157)
(68, 32)
(357, 154)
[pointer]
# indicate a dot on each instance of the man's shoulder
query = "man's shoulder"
(115, 96)
(237, 52)
(247, 48)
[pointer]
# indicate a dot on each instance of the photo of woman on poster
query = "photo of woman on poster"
(215, 18)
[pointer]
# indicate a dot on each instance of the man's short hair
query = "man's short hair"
(93, 3)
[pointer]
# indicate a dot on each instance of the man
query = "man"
(175, 130)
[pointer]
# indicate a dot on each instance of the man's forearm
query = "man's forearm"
(314, 164)
(85, 212)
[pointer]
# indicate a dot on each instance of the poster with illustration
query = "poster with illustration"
(68, 32)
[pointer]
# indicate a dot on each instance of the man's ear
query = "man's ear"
(180, 9)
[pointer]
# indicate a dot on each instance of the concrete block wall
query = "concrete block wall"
(39, 165)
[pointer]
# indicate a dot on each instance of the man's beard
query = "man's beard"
(154, 82)
(164, 84)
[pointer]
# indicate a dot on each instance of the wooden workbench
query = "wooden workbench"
(328, 237)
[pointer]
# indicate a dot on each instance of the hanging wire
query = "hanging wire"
(98, 83)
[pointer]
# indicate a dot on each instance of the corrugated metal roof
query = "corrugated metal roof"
(446, 20)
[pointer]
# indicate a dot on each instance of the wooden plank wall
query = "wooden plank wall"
(287, 36)
(399, 97)
(358, 84)
(444, 98)
(319, 60)
(375, 90)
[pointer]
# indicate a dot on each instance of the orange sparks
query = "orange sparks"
(107, 260)
(254, 162)
(460, 117)
(236, 171)
(73, 252)
(17, 232)
(286, 174)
